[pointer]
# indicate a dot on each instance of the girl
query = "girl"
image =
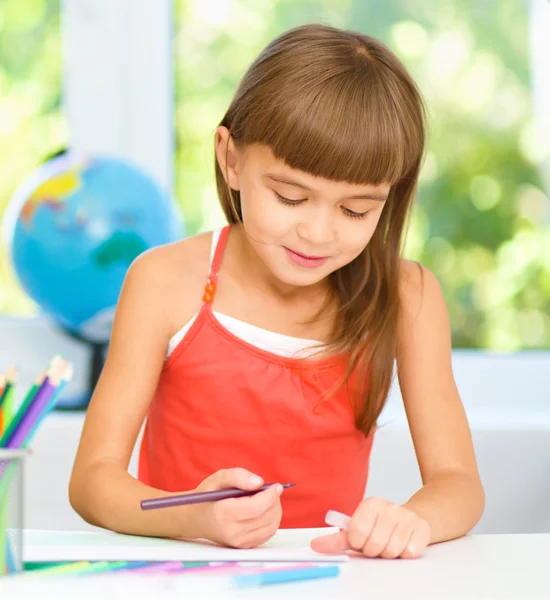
(265, 351)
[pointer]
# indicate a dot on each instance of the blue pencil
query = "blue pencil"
(11, 563)
(67, 376)
(285, 576)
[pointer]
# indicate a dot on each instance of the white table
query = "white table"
(474, 567)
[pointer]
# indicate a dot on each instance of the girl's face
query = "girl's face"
(302, 227)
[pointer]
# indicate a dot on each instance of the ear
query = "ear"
(227, 155)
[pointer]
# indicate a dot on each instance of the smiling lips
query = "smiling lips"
(305, 261)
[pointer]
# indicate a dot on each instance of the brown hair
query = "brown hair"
(339, 105)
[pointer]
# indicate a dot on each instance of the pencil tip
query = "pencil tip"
(68, 375)
(11, 375)
(55, 372)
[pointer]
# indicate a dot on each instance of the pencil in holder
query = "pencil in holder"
(11, 510)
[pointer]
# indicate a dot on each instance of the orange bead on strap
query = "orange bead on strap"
(209, 291)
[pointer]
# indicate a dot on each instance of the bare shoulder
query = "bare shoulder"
(167, 264)
(173, 276)
(420, 295)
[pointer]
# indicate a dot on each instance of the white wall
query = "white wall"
(118, 81)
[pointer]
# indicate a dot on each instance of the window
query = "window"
(481, 219)
(32, 125)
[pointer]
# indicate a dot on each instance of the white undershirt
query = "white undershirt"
(276, 343)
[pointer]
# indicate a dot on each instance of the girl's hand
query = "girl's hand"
(379, 528)
(239, 522)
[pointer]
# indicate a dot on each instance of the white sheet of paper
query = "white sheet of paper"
(58, 546)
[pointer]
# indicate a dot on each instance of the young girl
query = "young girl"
(264, 352)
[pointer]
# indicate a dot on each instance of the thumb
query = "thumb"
(231, 478)
(335, 543)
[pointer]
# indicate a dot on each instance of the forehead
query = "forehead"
(260, 157)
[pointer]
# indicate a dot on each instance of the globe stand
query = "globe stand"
(96, 362)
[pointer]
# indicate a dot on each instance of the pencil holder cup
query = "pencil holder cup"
(11, 510)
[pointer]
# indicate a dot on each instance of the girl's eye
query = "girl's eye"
(287, 201)
(346, 211)
(355, 215)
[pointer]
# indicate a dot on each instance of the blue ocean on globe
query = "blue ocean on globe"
(75, 226)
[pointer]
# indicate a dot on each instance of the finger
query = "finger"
(335, 543)
(257, 531)
(272, 514)
(381, 533)
(363, 522)
(417, 543)
(252, 507)
(239, 478)
(399, 538)
(256, 537)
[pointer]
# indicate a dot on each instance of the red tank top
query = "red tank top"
(221, 402)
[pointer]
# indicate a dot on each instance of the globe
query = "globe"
(73, 229)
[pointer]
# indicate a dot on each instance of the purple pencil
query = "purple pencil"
(155, 569)
(240, 569)
(39, 404)
(196, 498)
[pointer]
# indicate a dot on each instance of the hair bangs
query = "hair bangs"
(343, 130)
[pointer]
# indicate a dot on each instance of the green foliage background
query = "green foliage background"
(481, 221)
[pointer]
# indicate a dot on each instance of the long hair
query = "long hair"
(338, 104)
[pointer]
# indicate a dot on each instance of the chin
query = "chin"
(299, 277)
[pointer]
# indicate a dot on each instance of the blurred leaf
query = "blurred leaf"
(470, 59)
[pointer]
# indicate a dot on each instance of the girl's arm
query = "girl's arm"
(452, 498)
(101, 490)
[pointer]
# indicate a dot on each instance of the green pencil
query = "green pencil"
(63, 569)
(6, 399)
(9, 381)
(34, 566)
(7, 410)
(15, 420)
(79, 568)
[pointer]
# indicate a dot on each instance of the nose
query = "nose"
(318, 229)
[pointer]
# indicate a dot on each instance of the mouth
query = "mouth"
(304, 260)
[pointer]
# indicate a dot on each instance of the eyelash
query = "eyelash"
(346, 211)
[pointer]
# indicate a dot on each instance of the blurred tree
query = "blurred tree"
(31, 119)
(481, 222)
(482, 217)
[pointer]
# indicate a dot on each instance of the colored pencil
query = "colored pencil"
(7, 410)
(157, 568)
(7, 383)
(22, 411)
(34, 566)
(65, 378)
(241, 569)
(11, 561)
(2, 387)
(39, 405)
(6, 398)
(196, 498)
(286, 575)
(62, 569)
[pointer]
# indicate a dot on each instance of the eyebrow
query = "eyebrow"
(381, 197)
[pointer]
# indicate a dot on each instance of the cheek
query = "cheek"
(355, 238)
(262, 214)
